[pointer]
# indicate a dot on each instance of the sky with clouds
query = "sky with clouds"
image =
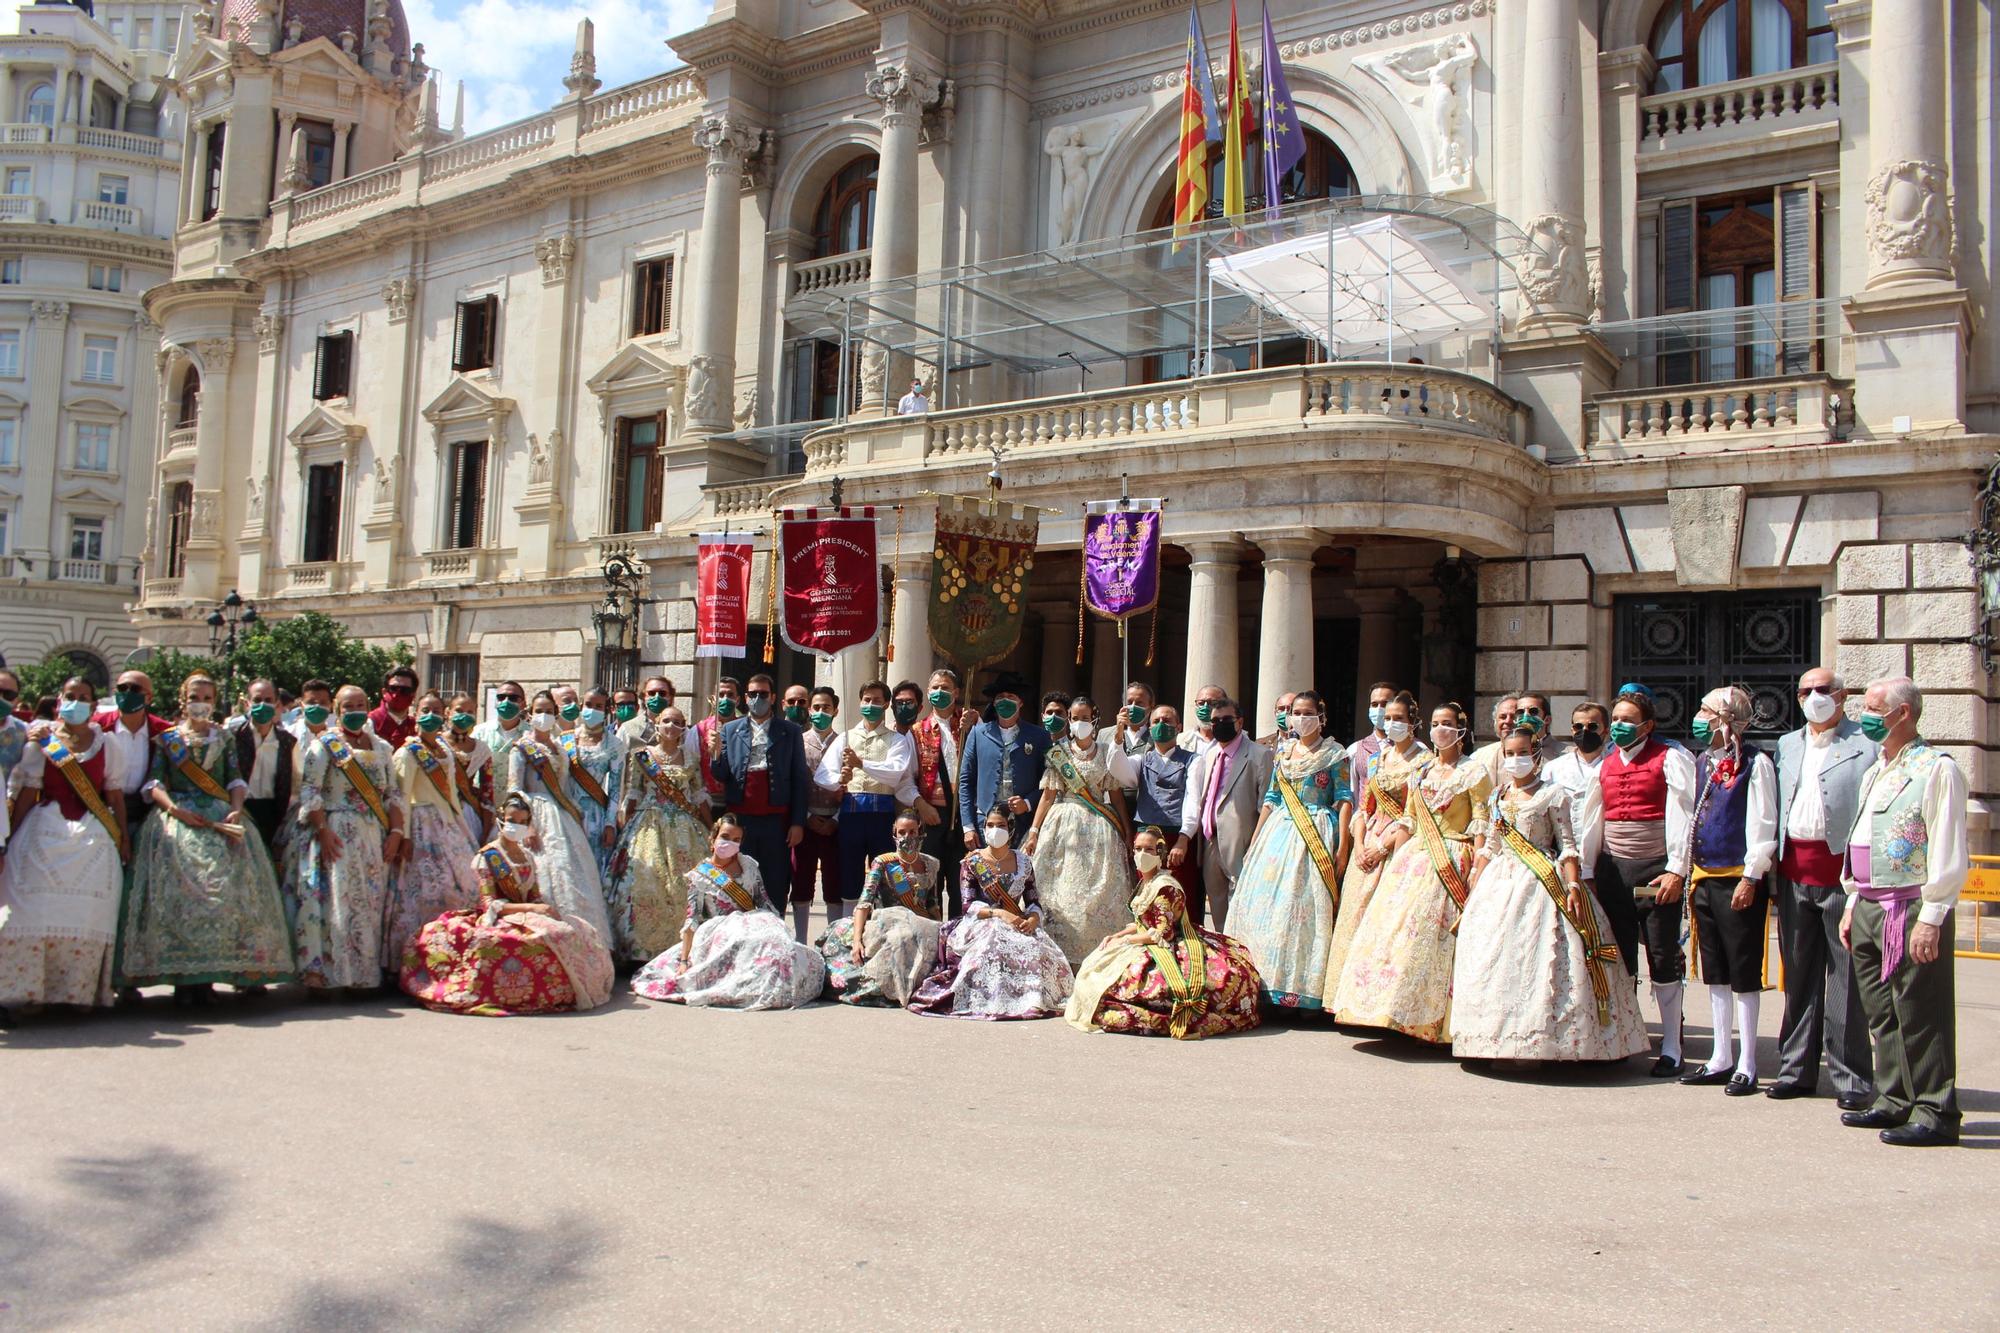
(513, 54)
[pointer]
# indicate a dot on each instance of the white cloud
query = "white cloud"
(513, 54)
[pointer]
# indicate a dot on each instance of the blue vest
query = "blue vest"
(1718, 840)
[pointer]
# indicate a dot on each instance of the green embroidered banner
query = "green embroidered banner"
(979, 579)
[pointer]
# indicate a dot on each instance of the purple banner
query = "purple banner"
(1121, 558)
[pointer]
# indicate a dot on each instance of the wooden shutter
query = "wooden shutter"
(488, 326)
(666, 294)
(1680, 286)
(656, 472)
(621, 473)
(332, 358)
(1796, 264)
(320, 392)
(460, 318)
(475, 491)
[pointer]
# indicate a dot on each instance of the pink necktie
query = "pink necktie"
(1214, 791)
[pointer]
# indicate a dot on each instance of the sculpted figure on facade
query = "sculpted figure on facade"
(1551, 269)
(397, 295)
(704, 390)
(1074, 156)
(554, 254)
(747, 405)
(1435, 79)
(253, 516)
(1909, 213)
(385, 482)
(269, 328)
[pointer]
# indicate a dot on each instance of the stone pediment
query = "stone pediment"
(320, 56)
(75, 488)
(93, 408)
(325, 425)
(635, 366)
(464, 400)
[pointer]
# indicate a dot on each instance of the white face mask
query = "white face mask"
(998, 837)
(1082, 731)
(199, 712)
(1305, 724)
(1396, 731)
(725, 848)
(1444, 736)
(1820, 708)
(545, 722)
(1517, 765)
(514, 832)
(1147, 862)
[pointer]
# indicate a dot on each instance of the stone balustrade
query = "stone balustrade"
(182, 439)
(26, 134)
(29, 135)
(524, 138)
(467, 565)
(744, 499)
(680, 87)
(818, 275)
(107, 217)
(122, 141)
(310, 579)
(82, 571)
(162, 592)
(1765, 101)
(363, 188)
(1787, 409)
(20, 208)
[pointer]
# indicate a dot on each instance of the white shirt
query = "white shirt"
(1944, 815)
(134, 752)
(1195, 742)
(1760, 817)
(1806, 820)
(760, 746)
(1680, 774)
(913, 404)
(1576, 774)
(896, 770)
(263, 774)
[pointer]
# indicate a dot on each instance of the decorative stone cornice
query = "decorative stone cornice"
(733, 146)
(51, 312)
(216, 355)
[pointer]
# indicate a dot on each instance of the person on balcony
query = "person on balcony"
(1078, 838)
(914, 403)
(436, 873)
(539, 770)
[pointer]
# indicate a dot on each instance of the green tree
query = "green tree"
(296, 650)
(40, 678)
(167, 668)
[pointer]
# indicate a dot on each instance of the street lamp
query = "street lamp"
(617, 620)
(224, 620)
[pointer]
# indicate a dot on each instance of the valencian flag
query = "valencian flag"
(1284, 137)
(830, 581)
(979, 579)
(1121, 559)
(1239, 124)
(1199, 125)
(722, 595)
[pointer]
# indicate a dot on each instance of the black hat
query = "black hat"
(1007, 682)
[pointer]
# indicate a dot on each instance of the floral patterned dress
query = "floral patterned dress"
(1523, 987)
(477, 762)
(663, 841)
(563, 860)
(740, 959)
(59, 893)
(340, 906)
(1391, 772)
(438, 875)
(1281, 910)
(481, 961)
(1398, 972)
(604, 760)
(899, 946)
(203, 906)
(986, 968)
(1081, 869)
(1124, 987)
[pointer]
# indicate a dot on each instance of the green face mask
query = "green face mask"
(130, 701)
(1004, 709)
(570, 712)
(1162, 732)
(508, 709)
(626, 712)
(821, 721)
(316, 715)
(430, 722)
(1702, 730)
(463, 721)
(1202, 711)
(1624, 733)
(656, 703)
(795, 714)
(354, 721)
(940, 699)
(1055, 724)
(1134, 714)
(1529, 722)
(725, 707)
(1875, 727)
(872, 712)
(263, 713)
(6, 709)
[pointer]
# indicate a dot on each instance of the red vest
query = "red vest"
(1636, 790)
(57, 787)
(708, 734)
(928, 734)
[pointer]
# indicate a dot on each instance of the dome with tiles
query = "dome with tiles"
(321, 18)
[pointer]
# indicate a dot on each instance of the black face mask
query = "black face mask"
(1225, 729)
(1589, 742)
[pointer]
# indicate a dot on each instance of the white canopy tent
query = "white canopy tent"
(1362, 285)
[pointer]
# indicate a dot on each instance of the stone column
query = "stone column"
(1058, 650)
(201, 577)
(1375, 649)
(340, 132)
(1552, 274)
(1908, 197)
(41, 448)
(86, 102)
(730, 144)
(232, 153)
(910, 630)
(1212, 623)
(194, 153)
(1285, 633)
(904, 91)
(1107, 681)
(281, 160)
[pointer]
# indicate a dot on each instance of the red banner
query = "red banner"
(722, 597)
(832, 587)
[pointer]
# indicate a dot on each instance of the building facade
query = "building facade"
(1731, 418)
(90, 161)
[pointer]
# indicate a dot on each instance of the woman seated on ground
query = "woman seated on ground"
(1163, 975)
(996, 961)
(735, 951)
(882, 953)
(513, 954)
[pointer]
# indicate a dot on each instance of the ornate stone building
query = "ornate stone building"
(89, 161)
(1729, 414)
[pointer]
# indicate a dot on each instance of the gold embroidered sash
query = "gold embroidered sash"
(990, 884)
(1596, 952)
(543, 763)
(582, 776)
(721, 879)
(349, 764)
(433, 768)
(657, 776)
(1190, 989)
(1438, 848)
(1308, 832)
(86, 791)
(182, 757)
(899, 883)
(1075, 785)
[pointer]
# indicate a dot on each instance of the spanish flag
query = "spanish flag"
(1239, 124)
(1191, 169)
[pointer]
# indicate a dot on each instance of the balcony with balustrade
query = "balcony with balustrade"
(1767, 110)
(102, 216)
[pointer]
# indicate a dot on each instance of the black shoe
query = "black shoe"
(1873, 1118)
(1853, 1101)
(1704, 1077)
(1920, 1136)
(1666, 1067)
(1740, 1085)
(1784, 1092)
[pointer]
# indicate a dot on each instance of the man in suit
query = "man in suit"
(1819, 794)
(760, 765)
(264, 759)
(1004, 757)
(1225, 790)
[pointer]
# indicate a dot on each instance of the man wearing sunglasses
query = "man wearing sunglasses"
(1575, 769)
(760, 763)
(13, 731)
(509, 724)
(656, 696)
(391, 718)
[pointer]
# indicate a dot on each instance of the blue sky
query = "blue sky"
(513, 54)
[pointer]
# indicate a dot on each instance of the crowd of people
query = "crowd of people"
(1111, 866)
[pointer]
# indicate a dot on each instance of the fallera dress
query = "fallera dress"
(1378, 798)
(743, 955)
(204, 906)
(1193, 983)
(60, 890)
(1283, 910)
(601, 761)
(1398, 970)
(900, 940)
(564, 865)
(986, 968)
(663, 841)
(337, 938)
(476, 761)
(437, 876)
(1081, 867)
(1532, 984)
(480, 961)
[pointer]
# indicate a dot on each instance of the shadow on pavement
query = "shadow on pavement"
(157, 1022)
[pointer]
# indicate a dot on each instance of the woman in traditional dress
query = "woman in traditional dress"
(204, 904)
(596, 758)
(475, 770)
(1398, 970)
(435, 874)
(996, 961)
(735, 951)
(1078, 838)
(539, 770)
(60, 889)
(1538, 974)
(882, 953)
(354, 816)
(513, 953)
(1164, 976)
(665, 836)
(1379, 797)
(1286, 902)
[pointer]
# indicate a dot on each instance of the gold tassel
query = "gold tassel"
(1153, 634)
(772, 564)
(895, 574)
(1082, 595)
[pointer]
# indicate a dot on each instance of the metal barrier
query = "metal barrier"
(1982, 886)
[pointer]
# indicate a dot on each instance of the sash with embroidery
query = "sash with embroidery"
(543, 763)
(86, 791)
(466, 790)
(1596, 952)
(656, 775)
(433, 768)
(1438, 848)
(735, 892)
(344, 759)
(1386, 803)
(582, 776)
(1064, 764)
(175, 744)
(992, 886)
(1190, 988)
(502, 870)
(898, 880)
(1308, 831)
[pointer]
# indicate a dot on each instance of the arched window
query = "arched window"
(42, 104)
(190, 400)
(845, 218)
(1323, 173)
(1714, 41)
(180, 519)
